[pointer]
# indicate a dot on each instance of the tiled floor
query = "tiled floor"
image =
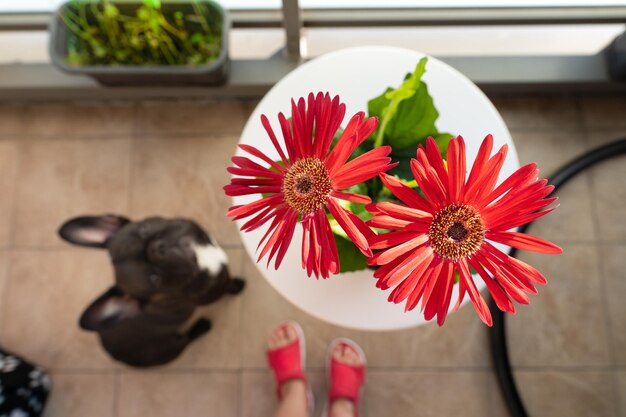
(60, 160)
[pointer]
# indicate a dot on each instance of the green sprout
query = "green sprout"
(103, 32)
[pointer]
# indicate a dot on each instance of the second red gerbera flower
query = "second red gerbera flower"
(308, 180)
(436, 237)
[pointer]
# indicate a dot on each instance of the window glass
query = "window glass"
(454, 3)
(8, 6)
(49, 5)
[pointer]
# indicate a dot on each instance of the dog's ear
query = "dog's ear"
(110, 308)
(92, 231)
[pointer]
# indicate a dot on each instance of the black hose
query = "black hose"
(497, 333)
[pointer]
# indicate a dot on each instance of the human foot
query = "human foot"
(346, 375)
(286, 357)
(284, 345)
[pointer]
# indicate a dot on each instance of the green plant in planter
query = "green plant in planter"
(145, 33)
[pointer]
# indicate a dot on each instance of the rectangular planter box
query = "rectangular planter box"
(215, 72)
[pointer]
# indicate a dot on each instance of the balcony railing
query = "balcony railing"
(252, 78)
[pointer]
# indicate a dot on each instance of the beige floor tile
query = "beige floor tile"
(461, 342)
(12, 119)
(596, 137)
(538, 112)
(220, 348)
(564, 325)
(184, 178)
(263, 308)
(171, 394)
(566, 393)
(172, 118)
(258, 397)
(621, 391)
(9, 152)
(258, 394)
(614, 264)
(47, 293)
(68, 177)
(608, 192)
(249, 106)
(576, 266)
(607, 111)
(428, 394)
(561, 327)
(572, 220)
(81, 395)
(548, 149)
(498, 406)
(3, 284)
(83, 120)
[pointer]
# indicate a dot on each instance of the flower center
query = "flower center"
(456, 232)
(303, 184)
(306, 185)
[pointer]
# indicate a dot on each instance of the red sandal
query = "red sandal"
(287, 362)
(345, 381)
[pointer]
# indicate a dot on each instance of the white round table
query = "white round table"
(357, 75)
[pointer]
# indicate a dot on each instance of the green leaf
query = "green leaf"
(403, 157)
(378, 105)
(391, 106)
(196, 38)
(143, 14)
(414, 121)
(111, 11)
(152, 3)
(350, 257)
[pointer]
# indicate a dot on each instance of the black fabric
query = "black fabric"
(24, 387)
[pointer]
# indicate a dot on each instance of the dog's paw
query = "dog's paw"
(199, 328)
(236, 286)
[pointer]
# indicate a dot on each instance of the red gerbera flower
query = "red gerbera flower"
(450, 229)
(309, 180)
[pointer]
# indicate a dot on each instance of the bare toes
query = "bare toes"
(347, 354)
(282, 336)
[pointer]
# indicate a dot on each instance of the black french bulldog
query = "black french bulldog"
(164, 269)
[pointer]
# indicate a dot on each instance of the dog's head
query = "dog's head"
(156, 256)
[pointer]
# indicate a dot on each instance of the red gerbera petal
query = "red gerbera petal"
(354, 227)
(524, 241)
(449, 231)
(356, 132)
(355, 198)
(406, 194)
(309, 180)
(433, 156)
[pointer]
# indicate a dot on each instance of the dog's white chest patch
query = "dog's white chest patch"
(211, 258)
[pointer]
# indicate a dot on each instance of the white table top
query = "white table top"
(357, 75)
